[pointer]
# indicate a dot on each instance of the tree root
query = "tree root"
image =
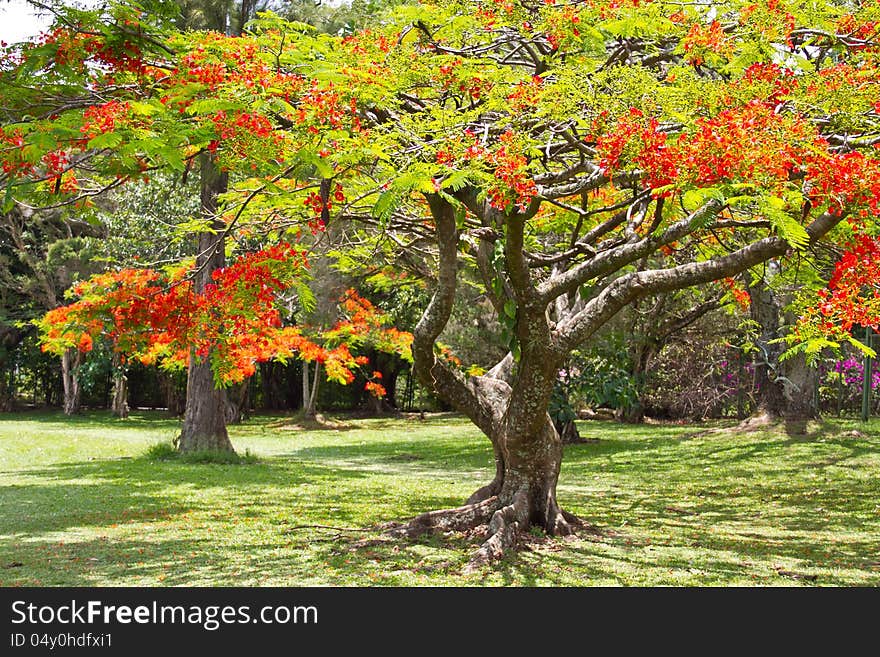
(461, 519)
(503, 530)
(500, 527)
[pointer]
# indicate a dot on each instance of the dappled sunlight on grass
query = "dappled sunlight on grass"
(678, 505)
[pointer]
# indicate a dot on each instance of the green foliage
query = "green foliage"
(163, 451)
(600, 375)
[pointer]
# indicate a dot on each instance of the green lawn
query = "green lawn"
(81, 506)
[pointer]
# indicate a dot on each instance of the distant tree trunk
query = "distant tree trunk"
(119, 405)
(7, 395)
(389, 366)
(204, 420)
(70, 362)
(271, 385)
(10, 338)
(784, 388)
(174, 401)
(306, 387)
(237, 399)
(642, 354)
(568, 432)
(311, 409)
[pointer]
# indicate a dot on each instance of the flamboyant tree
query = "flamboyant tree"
(107, 97)
(589, 154)
(236, 322)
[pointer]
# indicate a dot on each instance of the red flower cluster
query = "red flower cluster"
(11, 144)
(701, 40)
(323, 107)
(851, 298)
(525, 93)
(99, 119)
(75, 48)
(511, 170)
(849, 26)
(843, 179)
(236, 322)
(780, 82)
(739, 295)
(747, 143)
(453, 77)
(245, 135)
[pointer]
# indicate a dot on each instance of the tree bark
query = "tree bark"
(204, 423)
(204, 420)
(306, 387)
(70, 362)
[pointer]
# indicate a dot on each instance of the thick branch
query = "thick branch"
(465, 396)
(630, 287)
(613, 260)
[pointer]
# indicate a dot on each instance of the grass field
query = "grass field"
(674, 505)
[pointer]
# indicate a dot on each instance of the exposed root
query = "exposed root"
(499, 527)
(503, 530)
(462, 519)
(756, 423)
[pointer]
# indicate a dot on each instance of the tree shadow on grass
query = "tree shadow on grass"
(425, 453)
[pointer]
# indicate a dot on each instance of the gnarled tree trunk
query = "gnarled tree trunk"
(70, 362)
(204, 420)
(509, 405)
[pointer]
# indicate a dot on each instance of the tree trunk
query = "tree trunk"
(119, 405)
(204, 420)
(174, 401)
(311, 406)
(70, 362)
(306, 387)
(784, 388)
(527, 448)
(7, 396)
(528, 456)
(569, 433)
(237, 399)
(641, 355)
